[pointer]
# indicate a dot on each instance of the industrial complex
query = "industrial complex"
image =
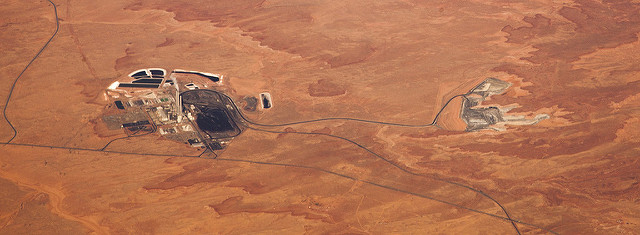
(183, 106)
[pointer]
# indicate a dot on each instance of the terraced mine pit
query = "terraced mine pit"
(479, 117)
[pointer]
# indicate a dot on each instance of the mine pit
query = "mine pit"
(478, 117)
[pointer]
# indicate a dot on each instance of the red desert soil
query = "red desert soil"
(395, 61)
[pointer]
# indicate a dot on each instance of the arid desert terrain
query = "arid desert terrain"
(575, 171)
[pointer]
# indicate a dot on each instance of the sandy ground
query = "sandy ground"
(394, 61)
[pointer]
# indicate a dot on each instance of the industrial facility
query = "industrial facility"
(186, 106)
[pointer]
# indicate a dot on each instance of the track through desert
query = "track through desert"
(13, 85)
